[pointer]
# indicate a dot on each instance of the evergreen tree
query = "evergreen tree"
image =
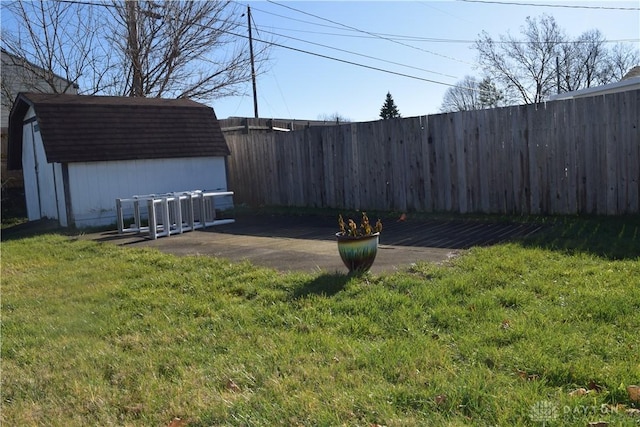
(389, 109)
(490, 96)
(471, 94)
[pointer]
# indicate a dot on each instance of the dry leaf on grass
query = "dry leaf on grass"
(592, 388)
(634, 393)
(595, 387)
(632, 412)
(177, 422)
(526, 376)
(441, 399)
(578, 392)
(134, 409)
(232, 386)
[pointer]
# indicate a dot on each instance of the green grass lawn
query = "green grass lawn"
(94, 334)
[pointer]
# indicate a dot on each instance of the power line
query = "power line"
(349, 62)
(292, 19)
(368, 32)
(87, 3)
(344, 61)
(566, 6)
(369, 35)
(404, 37)
(434, 40)
(338, 27)
(359, 54)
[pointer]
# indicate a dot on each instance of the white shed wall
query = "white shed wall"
(94, 186)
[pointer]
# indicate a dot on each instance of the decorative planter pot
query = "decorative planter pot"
(358, 253)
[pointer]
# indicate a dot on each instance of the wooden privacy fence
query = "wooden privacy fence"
(563, 157)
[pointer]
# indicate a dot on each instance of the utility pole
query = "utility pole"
(134, 48)
(253, 70)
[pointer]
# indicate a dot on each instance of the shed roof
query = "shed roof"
(78, 128)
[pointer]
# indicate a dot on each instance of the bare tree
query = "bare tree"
(570, 58)
(620, 59)
(182, 48)
(542, 60)
(334, 117)
(469, 94)
(525, 67)
(464, 96)
(54, 47)
(148, 48)
(583, 63)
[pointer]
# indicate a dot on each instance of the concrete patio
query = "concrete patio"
(307, 243)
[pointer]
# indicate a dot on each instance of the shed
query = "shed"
(80, 153)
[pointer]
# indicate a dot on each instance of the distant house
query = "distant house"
(630, 81)
(19, 75)
(79, 153)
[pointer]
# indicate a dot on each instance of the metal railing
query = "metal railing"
(170, 213)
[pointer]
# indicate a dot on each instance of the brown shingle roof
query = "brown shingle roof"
(77, 128)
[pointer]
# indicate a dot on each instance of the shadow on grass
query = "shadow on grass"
(614, 238)
(325, 284)
(21, 230)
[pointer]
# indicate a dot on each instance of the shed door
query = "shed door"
(30, 173)
(40, 181)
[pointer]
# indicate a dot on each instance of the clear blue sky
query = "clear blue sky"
(302, 86)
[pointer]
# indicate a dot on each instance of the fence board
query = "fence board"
(592, 168)
(504, 162)
(415, 176)
(441, 128)
(483, 165)
(342, 169)
(458, 163)
(398, 165)
(568, 137)
(563, 157)
(614, 172)
(376, 173)
(632, 137)
(623, 160)
(426, 177)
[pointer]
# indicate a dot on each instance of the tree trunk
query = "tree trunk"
(134, 49)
